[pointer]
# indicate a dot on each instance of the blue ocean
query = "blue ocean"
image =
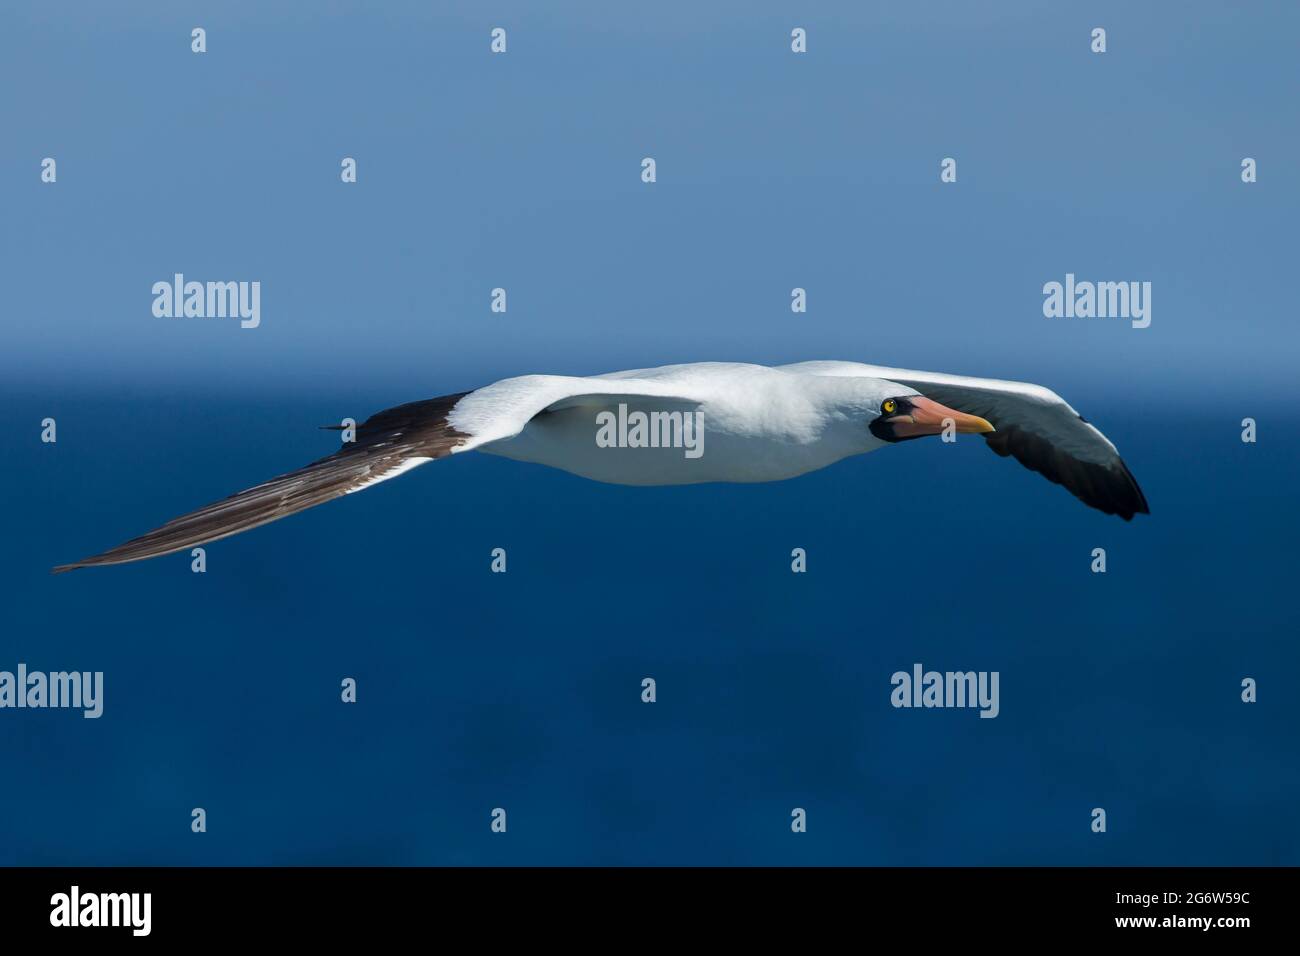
(522, 691)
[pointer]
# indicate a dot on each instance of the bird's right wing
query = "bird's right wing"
(387, 444)
(1032, 424)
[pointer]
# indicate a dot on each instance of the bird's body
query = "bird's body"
(755, 424)
(683, 424)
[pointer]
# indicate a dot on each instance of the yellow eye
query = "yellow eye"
(889, 406)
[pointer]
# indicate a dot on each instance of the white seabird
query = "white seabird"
(752, 423)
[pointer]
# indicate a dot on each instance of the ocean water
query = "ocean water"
(522, 690)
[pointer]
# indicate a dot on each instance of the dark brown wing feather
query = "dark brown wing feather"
(1061, 446)
(1108, 488)
(384, 442)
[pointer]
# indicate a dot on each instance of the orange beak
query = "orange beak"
(931, 418)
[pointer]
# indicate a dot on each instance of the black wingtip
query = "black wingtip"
(1141, 507)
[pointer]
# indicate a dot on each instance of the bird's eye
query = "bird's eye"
(889, 406)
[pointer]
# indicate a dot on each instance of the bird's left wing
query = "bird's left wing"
(387, 444)
(1032, 424)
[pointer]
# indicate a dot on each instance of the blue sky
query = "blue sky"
(522, 171)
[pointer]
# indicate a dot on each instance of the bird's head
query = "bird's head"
(902, 417)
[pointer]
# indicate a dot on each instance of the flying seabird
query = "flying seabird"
(752, 423)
